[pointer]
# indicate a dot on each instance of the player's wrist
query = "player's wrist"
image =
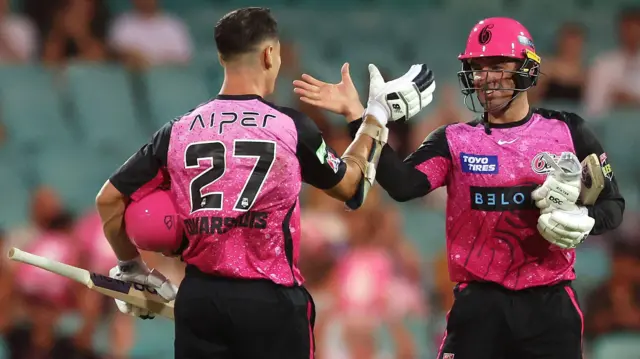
(131, 264)
(354, 112)
(378, 111)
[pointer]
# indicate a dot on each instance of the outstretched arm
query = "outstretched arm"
(422, 172)
(399, 99)
(395, 100)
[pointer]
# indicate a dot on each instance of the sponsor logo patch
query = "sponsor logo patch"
(498, 199)
(539, 164)
(479, 164)
(606, 167)
(333, 162)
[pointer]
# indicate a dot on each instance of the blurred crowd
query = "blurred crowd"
(360, 266)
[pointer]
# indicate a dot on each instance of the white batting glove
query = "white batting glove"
(136, 271)
(566, 228)
(402, 98)
(562, 187)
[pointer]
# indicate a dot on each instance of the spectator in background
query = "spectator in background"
(96, 255)
(77, 32)
(18, 36)
(614, 79)
(45, 206)
(45, 296)
(615, 305)
(148, 37)
(564, 72)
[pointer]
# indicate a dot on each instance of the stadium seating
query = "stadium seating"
(32, 110)
(14, 196)
(623, 345)
(173, 91)
(103, 100)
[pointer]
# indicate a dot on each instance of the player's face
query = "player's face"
(493, 79)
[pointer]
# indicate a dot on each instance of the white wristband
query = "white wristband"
(378, 111)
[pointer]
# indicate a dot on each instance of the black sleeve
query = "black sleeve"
(609, 208)
(144, 168)
(403, 180)
(321, 166)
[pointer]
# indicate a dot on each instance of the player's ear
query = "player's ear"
(268, 56)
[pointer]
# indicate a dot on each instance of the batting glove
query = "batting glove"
(402, 98)
(562, 187)
(136, 271)
(566, 228)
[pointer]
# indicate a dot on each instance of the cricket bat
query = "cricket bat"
(592, 179)
(132, 293)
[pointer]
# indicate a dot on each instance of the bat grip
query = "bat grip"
(77, 274)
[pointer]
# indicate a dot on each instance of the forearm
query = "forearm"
(607, 214)
(111, 205)
(361, 159)
(401, 181)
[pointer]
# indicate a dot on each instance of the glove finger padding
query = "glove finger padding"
(565, 229)
(410, 93)
(556, 194)
(125, 307)
(573, 221)
(138, 272)
(376, 82)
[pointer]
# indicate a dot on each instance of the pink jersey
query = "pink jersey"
(236, 165)
(490, 172)
(96, 250)
(41, 284)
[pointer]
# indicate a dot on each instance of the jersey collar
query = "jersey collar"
(238, 97)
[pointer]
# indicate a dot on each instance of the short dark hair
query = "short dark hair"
(241, 30)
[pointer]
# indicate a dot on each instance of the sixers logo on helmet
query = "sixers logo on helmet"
(539, 164)
(485, 35)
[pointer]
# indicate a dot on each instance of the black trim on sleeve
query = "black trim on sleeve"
(400, 178)
(609, 208)
(144, 165)
(288, 239)
(321, 166)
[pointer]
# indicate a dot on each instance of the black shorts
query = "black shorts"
(488, 321)
(222, 318)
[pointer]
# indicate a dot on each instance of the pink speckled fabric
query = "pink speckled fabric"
(501, 246)
(238, 250)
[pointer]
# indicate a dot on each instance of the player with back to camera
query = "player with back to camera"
(513, 221)
(236, 165)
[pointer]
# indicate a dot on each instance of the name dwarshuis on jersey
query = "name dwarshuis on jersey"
(221, 225)
(225, 119)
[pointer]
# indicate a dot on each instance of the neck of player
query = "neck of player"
(243, 80)
(514, 112)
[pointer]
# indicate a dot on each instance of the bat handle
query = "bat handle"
(77, 274)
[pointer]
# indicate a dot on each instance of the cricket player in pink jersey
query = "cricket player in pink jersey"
(235, 165)
(513, 217)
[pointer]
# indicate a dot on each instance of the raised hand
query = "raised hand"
(341, 98)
